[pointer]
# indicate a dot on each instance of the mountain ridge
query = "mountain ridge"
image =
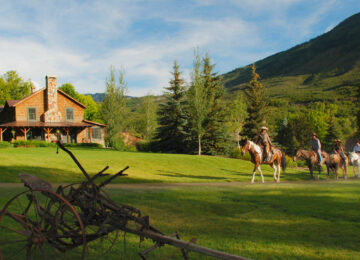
(322, 63)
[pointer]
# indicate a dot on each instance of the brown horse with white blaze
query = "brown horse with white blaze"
(312, 160)
(277, 159)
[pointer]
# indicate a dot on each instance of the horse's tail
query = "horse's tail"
(283, 161)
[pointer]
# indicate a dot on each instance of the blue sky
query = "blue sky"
(78, 41)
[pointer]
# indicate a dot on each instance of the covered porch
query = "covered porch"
(41, 131)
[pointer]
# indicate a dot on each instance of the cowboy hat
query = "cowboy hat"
(314, 134)
(338, 140)
(264, 128)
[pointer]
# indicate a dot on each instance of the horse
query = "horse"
(335, 162)
(311, 160)
(277, 159)
(354, 159)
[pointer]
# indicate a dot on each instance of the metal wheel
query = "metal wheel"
(40, 224)
(101, 236)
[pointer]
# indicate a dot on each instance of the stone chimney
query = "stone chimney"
(52, 113)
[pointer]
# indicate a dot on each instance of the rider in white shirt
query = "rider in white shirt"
(357, 147)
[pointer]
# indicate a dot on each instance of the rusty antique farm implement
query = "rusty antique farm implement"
(77, 221)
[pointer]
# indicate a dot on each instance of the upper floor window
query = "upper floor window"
(69, 114)
(31, 113)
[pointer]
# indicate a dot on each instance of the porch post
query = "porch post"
(90, 134)
(48, 131)
(2, 130)
(25, 131)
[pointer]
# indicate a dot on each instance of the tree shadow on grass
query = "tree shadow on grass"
(10, 174)
(180, 175)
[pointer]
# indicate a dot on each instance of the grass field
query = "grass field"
(295, 220)
(144, 167)
(314, 220)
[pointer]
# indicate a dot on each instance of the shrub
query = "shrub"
(31, 143)
(290, 163)
(93, 145)
(144, 146)
(119, 145)
(236, 153)
(5, 144)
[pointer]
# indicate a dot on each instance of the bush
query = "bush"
(5, 144)
(32, 143)
(236, 153)
(93, 145)
(119, 145)
(290, 163)
(144, 146)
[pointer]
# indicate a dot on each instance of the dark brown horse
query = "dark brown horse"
(335, 162)
(312, 161)
(277, 159)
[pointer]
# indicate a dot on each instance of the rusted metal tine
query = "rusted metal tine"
(75, 160)
(99, 174)
(120, 173)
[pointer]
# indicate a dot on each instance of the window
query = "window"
(96, 132)
(31, 113)
(69, 114)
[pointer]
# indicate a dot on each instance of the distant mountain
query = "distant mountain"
(325, 67)
(97, 97)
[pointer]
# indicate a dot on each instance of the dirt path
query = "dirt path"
(151, 186)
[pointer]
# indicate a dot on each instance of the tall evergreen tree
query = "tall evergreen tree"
(171, 135)
(358, 112)
(334, 132)
(113, 108)
(256, 108)
(216, 137)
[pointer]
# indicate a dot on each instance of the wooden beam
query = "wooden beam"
(67, 130)
(25, 131)
(48, 131)
(2, 130)
(90, 134)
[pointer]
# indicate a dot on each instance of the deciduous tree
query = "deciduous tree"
(113, 108)
(13, 87)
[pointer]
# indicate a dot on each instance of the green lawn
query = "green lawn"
(312, 220)
(144, 167)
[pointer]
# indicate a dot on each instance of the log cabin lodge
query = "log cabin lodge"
(45, 114)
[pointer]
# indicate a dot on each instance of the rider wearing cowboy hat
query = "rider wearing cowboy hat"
(316, 146)
(263, 140)
(338, 148)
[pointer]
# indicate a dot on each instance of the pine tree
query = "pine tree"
(334, 132)
(256, 106)
(358, 112)
(216, 137)
(171, 135)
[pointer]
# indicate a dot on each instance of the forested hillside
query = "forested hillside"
(324, 68)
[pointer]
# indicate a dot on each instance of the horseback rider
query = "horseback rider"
(357, 147)
(264, 141)
(316, 146)
(339, 149)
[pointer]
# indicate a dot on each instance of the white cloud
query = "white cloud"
(78, 41)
